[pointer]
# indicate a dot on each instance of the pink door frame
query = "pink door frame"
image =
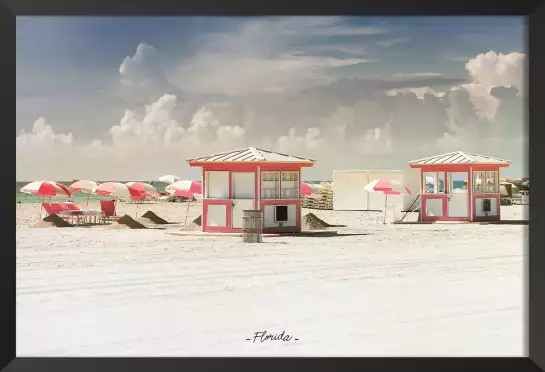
(444, 197)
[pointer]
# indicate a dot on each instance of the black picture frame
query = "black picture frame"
(535, 275)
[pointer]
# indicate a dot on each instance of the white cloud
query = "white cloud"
(419, 92)
(418, 74)
(346, 124)
(144, 68)
(492, 69)
(489, 70)
(237, 75)
(260, 57)
(390, 42)
(42, 137)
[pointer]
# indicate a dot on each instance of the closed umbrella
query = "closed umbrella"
(46, 188)
(84, 186)
(117, 190)
(169, 178)
(388, 187)
(188, 189)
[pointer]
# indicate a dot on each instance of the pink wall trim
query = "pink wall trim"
(228, 217)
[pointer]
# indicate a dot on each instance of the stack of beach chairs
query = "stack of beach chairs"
(324, 202)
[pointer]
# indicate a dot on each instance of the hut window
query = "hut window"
(486, 182)
(434, 182)
(270, 185)
(492, 184)
(478, 182)
(290, 185)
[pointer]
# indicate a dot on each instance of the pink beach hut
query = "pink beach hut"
(445, 195)
(247, 179)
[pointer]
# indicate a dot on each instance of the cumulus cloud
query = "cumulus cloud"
(42, 136)
(144, 68)
(490, 70)
(344, 124)
(144, 77)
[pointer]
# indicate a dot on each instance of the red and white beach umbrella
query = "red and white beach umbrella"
(117, 190)
(145, 188)
(310, 190)
(84, 186)
(47, 188)
(388, 187)
(184, 188)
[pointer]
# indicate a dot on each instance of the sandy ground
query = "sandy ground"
(394, 290)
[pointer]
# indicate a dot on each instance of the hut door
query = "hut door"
(457, 195)
(243, 195)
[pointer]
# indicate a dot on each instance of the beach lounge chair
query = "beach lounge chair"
(108, 209)
(55, 208)
(47, 208)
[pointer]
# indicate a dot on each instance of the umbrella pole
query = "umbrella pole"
(187, 211)
(41, 206)
(87, 204)
(385, 203)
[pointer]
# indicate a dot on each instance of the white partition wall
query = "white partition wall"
(349, 193)
(412, 179)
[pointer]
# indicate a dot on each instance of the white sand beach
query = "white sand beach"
(394, 290)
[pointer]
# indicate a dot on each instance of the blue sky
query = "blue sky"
(81, 74)
(53, 46)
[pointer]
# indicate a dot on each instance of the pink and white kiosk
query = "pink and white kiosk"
(460, 186)
(251, 178)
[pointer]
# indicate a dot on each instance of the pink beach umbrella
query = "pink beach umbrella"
(388, 187)
(187, 189)
(84, 186)
(117, 190)
(310, 190)
(46, 188)
(144, 188)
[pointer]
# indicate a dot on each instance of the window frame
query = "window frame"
(297, 182)
(277, 186)
(436, 184)
(483, 175)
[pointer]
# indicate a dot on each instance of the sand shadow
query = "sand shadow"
(318, 235)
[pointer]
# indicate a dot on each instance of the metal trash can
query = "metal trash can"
(252, 226)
